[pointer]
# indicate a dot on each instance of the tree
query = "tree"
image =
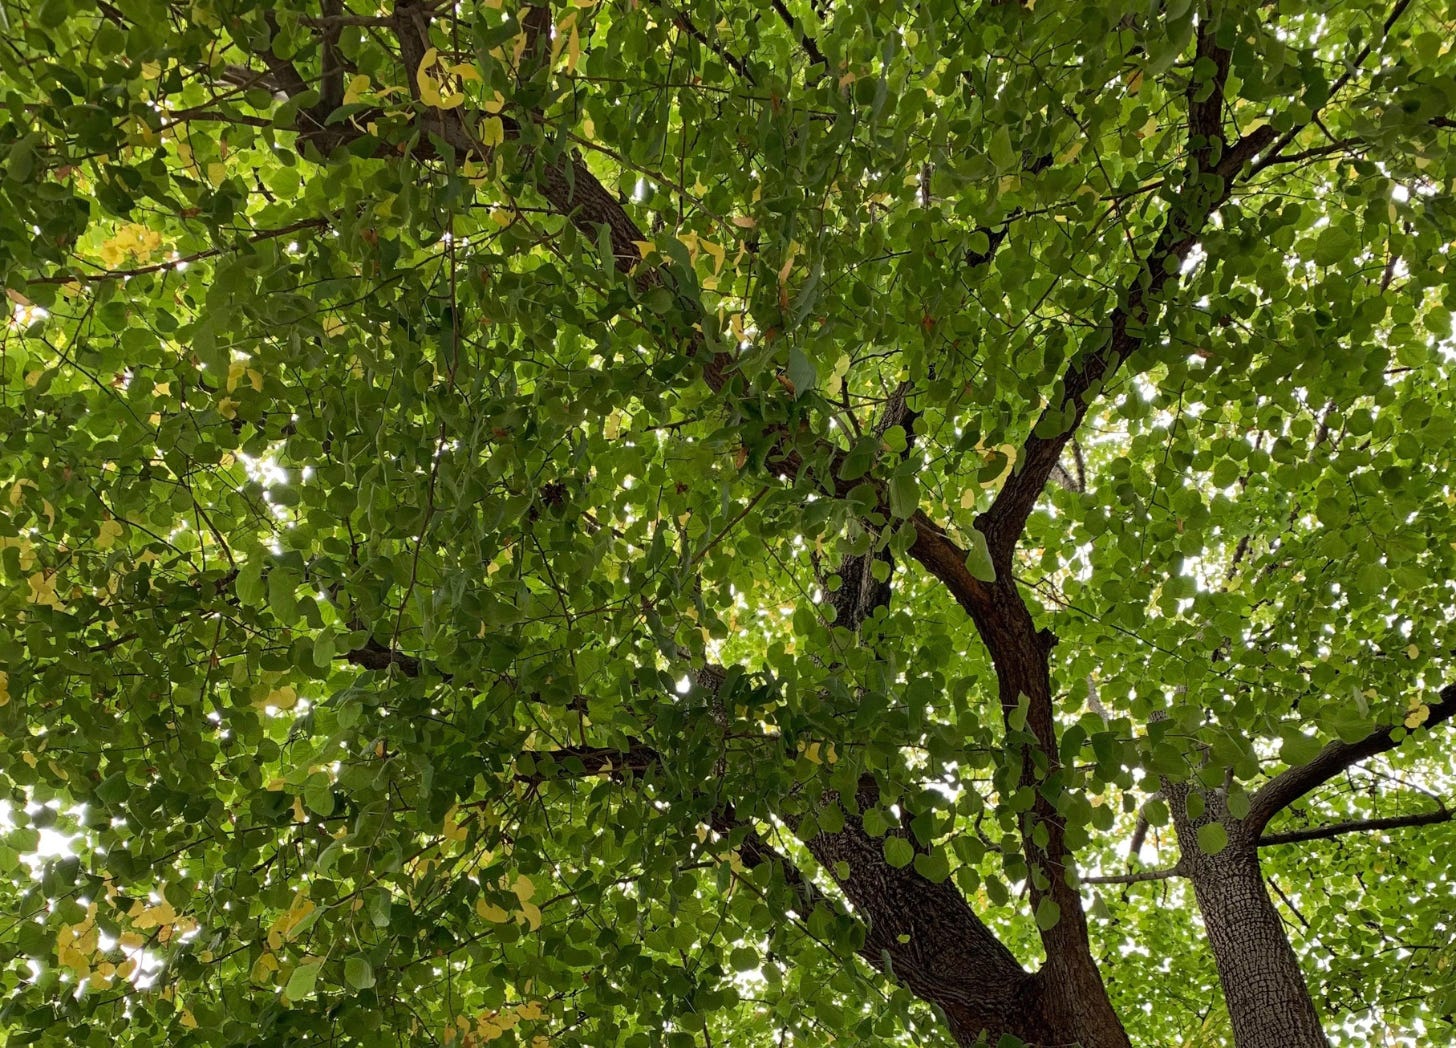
(639, 524)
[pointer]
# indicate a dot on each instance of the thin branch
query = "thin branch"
(732, 61)
(375, 656)
(1337, 829)
(1274, 155)
(1139, 877)
(336, 21)
(170, 264)
(807, 42)
(1288, 902)
(332, 85)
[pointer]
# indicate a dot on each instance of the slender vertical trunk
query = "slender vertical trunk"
(1072, 994)
(1267, 997)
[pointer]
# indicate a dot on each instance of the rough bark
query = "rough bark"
(925, 935)
(1268, 1001)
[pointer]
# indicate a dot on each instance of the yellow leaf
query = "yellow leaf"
(811, 753)
(715, 251)
(573, 49)
(299, 815)
(43, 590)
(217, 172)
(284, 698)
(227, 407)
(836, 377)
(358, 85)
(333, 326)
(560, 34)
(1417, 716)
(491, 912)
(532, 913)
(645, 247)
(745, 222)
(153, 916)
(492, 131)
(788, 265)
(1071, 151)
(429, 90)
(108, 533)
(4, 688)
(454, 828)
(531, 1011)
(238, 370)
(523, 888)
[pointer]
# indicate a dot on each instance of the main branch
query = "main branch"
(1287, 787)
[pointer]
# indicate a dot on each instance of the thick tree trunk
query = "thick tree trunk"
(926, 936)
(1267, 997)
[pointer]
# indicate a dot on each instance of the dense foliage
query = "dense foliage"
(752, 522)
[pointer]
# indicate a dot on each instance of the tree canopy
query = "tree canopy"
(643, 523)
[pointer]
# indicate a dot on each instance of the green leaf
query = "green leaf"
(544, 383)
(1212, 838)
(1048, 913)
(359, 973)
(801, 372)
(301, 982)
(933, 865)
(904, 495)
(898, 851)
(978, 556)
(876, 822)
(1299, 748)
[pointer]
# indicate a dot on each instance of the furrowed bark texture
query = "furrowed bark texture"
(926, 936)
(1268, 1001)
